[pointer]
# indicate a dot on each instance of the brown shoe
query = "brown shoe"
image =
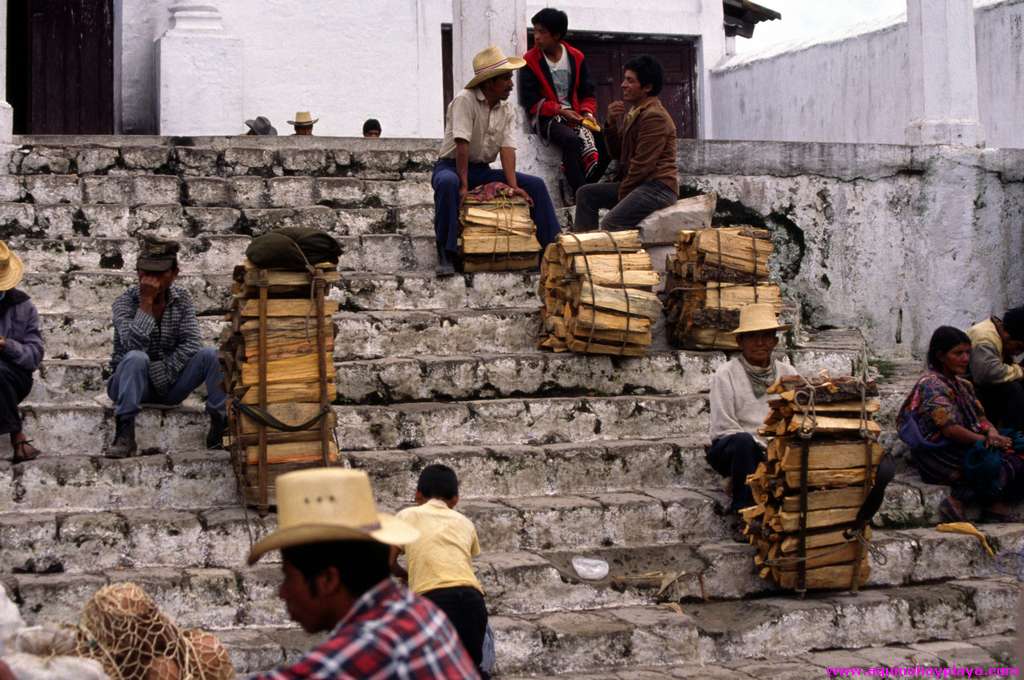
(23, 449)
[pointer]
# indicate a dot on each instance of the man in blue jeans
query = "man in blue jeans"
(478, 129)
(158, 356)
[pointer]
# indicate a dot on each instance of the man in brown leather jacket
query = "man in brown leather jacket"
(644, 142)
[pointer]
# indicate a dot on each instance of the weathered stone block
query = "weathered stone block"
(165, 538)
(260, 221)
(107, 189)
(151, 158)
(342, 192)
(55, 600)
(96, 160)
(46, 189)
(12, 188)
(207, 191)
(46, 159)
(249, 192)
(304, 161)
(197, 161)
(94, 540)
(291, 192)
(155, 190)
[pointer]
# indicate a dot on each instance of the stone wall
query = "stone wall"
(853, 87)
(894, 239)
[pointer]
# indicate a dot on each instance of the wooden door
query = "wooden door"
(606, 58)
(61, 66)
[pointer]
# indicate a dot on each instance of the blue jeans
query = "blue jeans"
(129, 386)
(445, 181)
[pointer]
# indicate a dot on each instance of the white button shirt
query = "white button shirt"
(486, 128)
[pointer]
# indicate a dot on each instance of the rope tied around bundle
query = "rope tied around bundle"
(593, 293)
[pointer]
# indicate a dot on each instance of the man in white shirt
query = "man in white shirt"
(478, 129)
(739, 401)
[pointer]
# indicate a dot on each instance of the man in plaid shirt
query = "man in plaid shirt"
(335, 550)
(158, 356)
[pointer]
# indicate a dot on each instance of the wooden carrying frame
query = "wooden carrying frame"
(314, 431)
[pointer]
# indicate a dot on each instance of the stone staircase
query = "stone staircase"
(558, 455)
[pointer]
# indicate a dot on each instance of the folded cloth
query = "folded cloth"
(490, 191)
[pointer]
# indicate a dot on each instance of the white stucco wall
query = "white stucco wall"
(346, 61)
(853, 87)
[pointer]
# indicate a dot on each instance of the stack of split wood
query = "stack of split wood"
(821, 462)
(597, 290)
(497, 235)
(713, 273)
(279, 371)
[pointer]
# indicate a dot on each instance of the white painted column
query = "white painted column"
(943, 73)
(6, 112)
(199, 75)
(477, 24)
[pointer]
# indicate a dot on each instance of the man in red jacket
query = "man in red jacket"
(556, 89)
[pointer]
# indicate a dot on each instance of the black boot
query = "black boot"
(215, 436)
(124, 444)
(445, 266)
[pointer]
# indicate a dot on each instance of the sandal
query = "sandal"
(951, 510)
(24, 451)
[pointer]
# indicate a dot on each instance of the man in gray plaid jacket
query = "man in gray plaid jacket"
(158, 356)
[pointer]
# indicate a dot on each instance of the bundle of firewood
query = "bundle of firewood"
(597, 293)
(714, 273)
(832, 420)
(278, 355)
(497, 235)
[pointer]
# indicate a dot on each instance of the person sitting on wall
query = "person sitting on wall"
(998, 380)
(644, 142)
(260, 125)
(21, 351)
(335, 550)
(951, 440)
(303, 123)
(158, 355)
(739, 402)
(478, 129)
(557, 92)
(371, 128)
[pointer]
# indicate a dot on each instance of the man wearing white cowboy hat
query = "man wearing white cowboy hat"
(478, 129)
(335, 549)
(303, 123)
(21, 351)
(739, 401)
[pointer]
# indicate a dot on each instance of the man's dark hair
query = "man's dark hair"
(554, 20)
(648, 71)
(438, 481)
(944, 339)
(361, 564)
(371, 124)
(1013, 323)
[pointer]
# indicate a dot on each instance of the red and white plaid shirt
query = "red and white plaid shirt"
(390, 632)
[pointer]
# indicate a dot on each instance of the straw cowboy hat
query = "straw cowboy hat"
(11, 268)
(329, 504)
(303, 118)
(759, 317)
(492, 62)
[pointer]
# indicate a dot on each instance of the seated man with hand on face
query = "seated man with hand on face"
(644, 142)
(739, 401)
(478, 128)
(998, 380)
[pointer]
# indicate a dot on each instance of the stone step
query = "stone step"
(518, 584)
(382, 253)
(177, 221)
(241, 192)
(990, 654)
(223, 157)
(144, 537)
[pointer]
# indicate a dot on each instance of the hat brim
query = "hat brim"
(761, 329)
(14, 274)
(392, 531)
(154, 265)
(513, 64)
(304, 123)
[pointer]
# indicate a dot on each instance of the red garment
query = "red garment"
(549, 106)
(389, 633)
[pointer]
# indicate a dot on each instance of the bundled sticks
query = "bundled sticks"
(821, 463)
(497, 235)
(714, 273)
(279, 368)
(596, 289)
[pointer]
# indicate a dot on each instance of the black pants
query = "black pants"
(736, 456)
(566, 139)
(465, 608)
(1004, 403)
(15, 384)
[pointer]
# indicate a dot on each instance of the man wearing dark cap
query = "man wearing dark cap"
(158, 357)
(998, 380)
(371, 128)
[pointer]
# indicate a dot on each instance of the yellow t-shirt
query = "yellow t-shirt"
(442, 557)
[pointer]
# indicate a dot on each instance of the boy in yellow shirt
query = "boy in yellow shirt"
(441, 561)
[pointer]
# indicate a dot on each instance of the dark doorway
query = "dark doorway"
(60, 61)
(606, 57)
